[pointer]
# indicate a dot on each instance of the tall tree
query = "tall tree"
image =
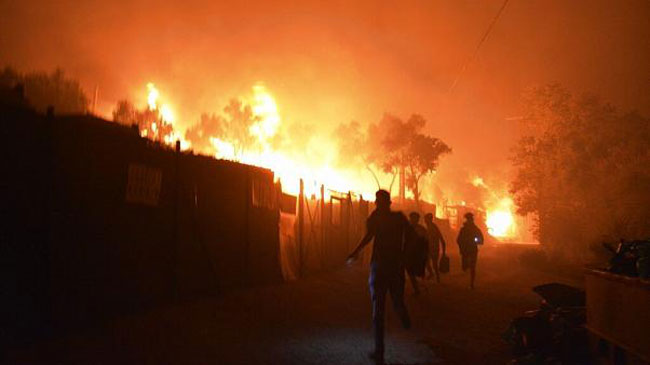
(238, 122)
(392, 146)
(405, 149)
(233, 126)
(209, 125)
(583, 168)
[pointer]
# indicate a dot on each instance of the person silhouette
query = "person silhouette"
(389, 230)
(417, 252)
(469, 237)
(435, 240)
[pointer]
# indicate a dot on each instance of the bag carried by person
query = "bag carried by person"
(443, 266)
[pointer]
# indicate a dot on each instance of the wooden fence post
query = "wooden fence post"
(301, 219)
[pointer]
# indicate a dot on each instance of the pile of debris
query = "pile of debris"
(631, 258)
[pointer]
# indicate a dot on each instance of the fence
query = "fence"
(100, 222)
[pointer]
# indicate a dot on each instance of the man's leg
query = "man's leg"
(435, 268)
(414, 283)
(378, 288)
(472, 270)
(463, 261)
(430, 267)
(397, 295)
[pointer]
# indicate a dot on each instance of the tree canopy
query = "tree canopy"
(393, 146)
(233, 126)
(583, 168)
(43, 90)
(150, 123)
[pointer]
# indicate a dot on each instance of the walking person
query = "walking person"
(436, 240)
(417, 252)
(389, 230)
(469, 237)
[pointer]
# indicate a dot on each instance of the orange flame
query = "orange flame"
(166, 116)
(500, 220)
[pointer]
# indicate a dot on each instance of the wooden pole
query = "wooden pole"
(348, 224)
(301, 219)
(322, 225)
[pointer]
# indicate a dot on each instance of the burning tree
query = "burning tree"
(243, 128)
(199, 134)
(213, 131)
(582, 168)
(149, 121)
(156, 121)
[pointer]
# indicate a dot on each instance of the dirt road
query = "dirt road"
(324, 319)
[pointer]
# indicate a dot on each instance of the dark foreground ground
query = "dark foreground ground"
(324, 319)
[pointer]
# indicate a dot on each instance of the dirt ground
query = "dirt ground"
(323, 319)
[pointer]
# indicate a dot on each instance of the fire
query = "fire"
(163, 120)
(478, 181)
(165, 110)
(293, 160)
(153, 96)
(500, 220)
(265, 108)
(289, 166)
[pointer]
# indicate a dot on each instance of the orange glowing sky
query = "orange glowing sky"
(328, 62)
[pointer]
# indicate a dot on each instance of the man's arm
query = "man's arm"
(364, 241)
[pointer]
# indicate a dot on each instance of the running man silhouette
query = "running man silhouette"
(417, 253)
(390, 230)
(435, 239)
(469, 237)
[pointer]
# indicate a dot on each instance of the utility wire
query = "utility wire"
(478, 47)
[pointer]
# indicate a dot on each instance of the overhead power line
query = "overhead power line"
(478, 46)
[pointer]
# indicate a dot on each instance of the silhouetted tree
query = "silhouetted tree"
(43, 90)
(582, 168)
(237, 125)
(150, 122)
(405, 149)
(209, 125)
(394, 146)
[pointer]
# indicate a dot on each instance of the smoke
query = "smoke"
(328, 63)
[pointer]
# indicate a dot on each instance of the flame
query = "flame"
(500, 220)
(315, 165)
(478, 181)
(289, 166)
(167, 114)
(164, 114)
(265, 108)
(165, 111)
(153, 95)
